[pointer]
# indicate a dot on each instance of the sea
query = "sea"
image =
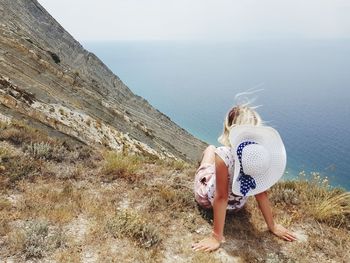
(302, 90)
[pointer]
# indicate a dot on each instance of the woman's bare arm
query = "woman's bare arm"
(221, 197)
(219, 207)
(265, 208)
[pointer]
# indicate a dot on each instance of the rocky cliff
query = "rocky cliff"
(47, 77)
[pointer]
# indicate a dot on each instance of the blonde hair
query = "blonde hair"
(238, 115)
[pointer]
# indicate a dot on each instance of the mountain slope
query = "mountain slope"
(77, 204)
(48, 77)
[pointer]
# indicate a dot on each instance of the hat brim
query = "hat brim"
(271, 140)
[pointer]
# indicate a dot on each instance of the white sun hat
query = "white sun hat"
(260, 158)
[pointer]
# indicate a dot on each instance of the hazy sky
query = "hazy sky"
(218, 20)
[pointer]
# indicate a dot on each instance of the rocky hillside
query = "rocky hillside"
(52, 192)
(50, 80)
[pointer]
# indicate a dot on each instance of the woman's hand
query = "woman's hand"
(207, 244)
(283, 233)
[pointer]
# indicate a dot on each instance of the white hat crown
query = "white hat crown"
(256, 160)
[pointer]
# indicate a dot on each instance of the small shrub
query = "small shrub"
(35, 244)
(59, 153)
(3, 153)
(172, 197)
(3, 125)
(62, 112)
(334, 209)
(127, 223)
(35, 239)
(57, 239)
(17, 168)
(41, 150)
(15, 136)
(64, 170)
(85, 152)
(46, 151)
(16, 241)
(117, 165)
(17, 132)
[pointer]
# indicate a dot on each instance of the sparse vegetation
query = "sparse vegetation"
(128, 223)
(34, 241)
(170, 197)
(118, 165)
(16, 136)
(62, 112)
(35, 244)
(316, 198)
(75, 203)
(16, 169)
(18, 132)
(3, 153)
(38, 150)
(177, 164)
(334, 209)
(46, 151)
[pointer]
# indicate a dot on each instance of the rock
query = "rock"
(295, 201)
(301, 235)
(222, 256)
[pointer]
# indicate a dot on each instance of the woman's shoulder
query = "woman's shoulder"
(226, 154)
(224, 149)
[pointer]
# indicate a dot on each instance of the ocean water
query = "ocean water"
(305, 96)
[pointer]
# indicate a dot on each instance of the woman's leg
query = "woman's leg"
(205, 171)
(208, 155)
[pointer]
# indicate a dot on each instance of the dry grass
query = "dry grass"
(177, 165)
(46, 151)
(3, 153)
(169, 197)
(17, 132)
(5, 207)
(35, 240)
(69, 255)
(128, 223)
(333, 209)
(118, 165)
(16, 168)
(59, 204)
(315, 197)
(202, 257)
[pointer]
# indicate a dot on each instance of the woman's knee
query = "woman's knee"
(210, 148)
(209, 154)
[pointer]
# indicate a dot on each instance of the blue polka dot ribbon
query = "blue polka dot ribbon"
(247, 182)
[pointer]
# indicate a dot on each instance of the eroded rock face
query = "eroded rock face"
(47, 75)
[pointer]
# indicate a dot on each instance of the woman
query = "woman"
(252, 160)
